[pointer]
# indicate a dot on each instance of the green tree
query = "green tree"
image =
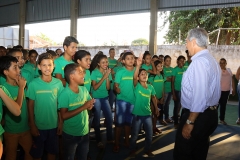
(81, 44)
(113, 43)
(46, 38)
(139, 42)
(105, 44)
(210, 19)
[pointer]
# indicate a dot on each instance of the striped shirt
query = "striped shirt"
(201, 83)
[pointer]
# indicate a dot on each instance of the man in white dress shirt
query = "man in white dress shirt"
(200, 94)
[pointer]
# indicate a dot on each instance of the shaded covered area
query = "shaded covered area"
(224, 143)
(35, 11)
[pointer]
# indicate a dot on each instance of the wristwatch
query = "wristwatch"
(189, 122)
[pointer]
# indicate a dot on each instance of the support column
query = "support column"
(153, 26)
(22, 21)
(73, 18)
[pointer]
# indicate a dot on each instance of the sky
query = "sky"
(97, 31)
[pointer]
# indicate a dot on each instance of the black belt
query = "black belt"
(211, 108)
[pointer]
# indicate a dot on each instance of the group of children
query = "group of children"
(64, 96)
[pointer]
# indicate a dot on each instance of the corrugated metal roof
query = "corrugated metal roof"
(9, 14)
(50, 10)
(195, 4)
(47, 10)
(90, 8)
(8, 2)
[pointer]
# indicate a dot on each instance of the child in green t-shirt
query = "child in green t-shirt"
(148, 63)
(144, 93)
(101, 77)
(45, 123)
(16, 127)
(167, 70)
(157, 82)
(123, 86)
(83, 58)
(177, 75)
(21, 63)
(12, 106)
(188, 61)
(8, 65)
(112, 62)
(70, 47)
(74, 101)
(31, 65)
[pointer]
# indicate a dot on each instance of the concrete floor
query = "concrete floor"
(224, 145)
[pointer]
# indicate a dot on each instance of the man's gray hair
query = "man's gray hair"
(200, 35)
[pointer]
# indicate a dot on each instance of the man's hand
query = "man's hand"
(186, 131)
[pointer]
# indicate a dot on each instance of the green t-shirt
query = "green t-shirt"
(45, 97)
(167, 73)
(186, 65)
(115, 69)
(143, 98)
(87, 80)
(28, 67)
(158, 84)
(111, 62)
(78, 124)
(2, 79)
(1, 112)
(102, 91)
(124, 78)
(16, 124)
(27, 75)
(1, 109)
(60, 64)
(178, 73)
(147, 67)
(37, 73)
(32, 68)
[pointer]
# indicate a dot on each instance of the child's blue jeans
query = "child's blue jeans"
(102, 104)
(136, 124)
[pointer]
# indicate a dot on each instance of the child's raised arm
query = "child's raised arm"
(138, 65)
(12, 106)
(153, 70)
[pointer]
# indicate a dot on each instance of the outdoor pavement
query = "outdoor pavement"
(224, 142)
